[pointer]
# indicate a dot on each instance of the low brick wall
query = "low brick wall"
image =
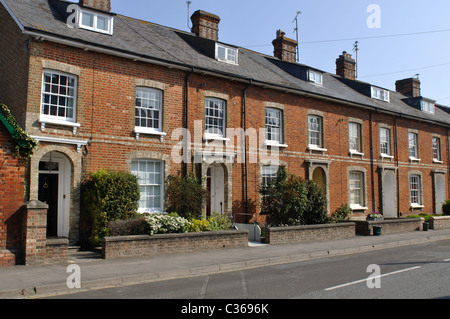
(144, 246)
(389, 226)
(57, 250)
(298, 234)
(440, 222)
(7, 258)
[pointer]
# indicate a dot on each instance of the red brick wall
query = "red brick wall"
(12, 174)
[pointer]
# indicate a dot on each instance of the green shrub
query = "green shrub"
(446, 207)
(283, 200)
(289, 200)
(218, 222)
(198, 225)
(109, 196)
(342, 213)
(315, 211)
(184, 195)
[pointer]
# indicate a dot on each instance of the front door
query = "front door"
(48, 194)
(216, 190)
(389, 191)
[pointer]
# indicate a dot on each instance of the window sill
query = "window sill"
(414, 159)
(387, 157)
(417, 206)
(275, 144)
(358, 207)
(209, 137)
(437, 161)
(315, 148)
(44, 121)
(355, 153)
(143, 130)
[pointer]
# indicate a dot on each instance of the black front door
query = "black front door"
(48, 193)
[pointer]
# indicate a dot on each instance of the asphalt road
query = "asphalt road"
(410, 272)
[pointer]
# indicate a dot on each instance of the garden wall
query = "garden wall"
(140, 246)
(440, 222)
(389, 226)
(297, 234)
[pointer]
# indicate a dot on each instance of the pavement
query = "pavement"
(96, 273)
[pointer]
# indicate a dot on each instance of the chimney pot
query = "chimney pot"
(103, 5)
(285, 49)
(346, 66)
(409, 87)
(205, 25)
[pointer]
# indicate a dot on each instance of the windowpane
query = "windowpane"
(414, 185)
(215, 117)
(150, 176)
(87, 19)
(274, 125)
(269, 173)
(436, 148)
(356, 188)
(102, 23)
(354, 131)
(58, 91)
(413, 145)
(148, 108)
(385, 141)
(315, 131)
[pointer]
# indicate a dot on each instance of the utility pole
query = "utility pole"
(296, 31)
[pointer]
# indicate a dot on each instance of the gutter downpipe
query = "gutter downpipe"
(188, 76)
(371, 162)
(398, 168)
(244, 113)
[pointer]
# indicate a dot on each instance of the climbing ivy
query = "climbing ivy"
(25, 143)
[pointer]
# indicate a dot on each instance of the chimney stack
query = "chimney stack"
(346, 66)
(285, 49)
(102, 5)
(205, 25)
(409, 87)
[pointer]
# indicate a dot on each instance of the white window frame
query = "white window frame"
(354, 136)
(220, 134)
(268, 174)
(415, 190)
(436, 145)
(315, 77)
(385, 141)
(427, 106)
(318, 132)
(413, 139)
(274, 131)
(357, 193)
(231, 54)
(158, 102)
(380, 94)
(146, 185)
(56, 119)
(95, 18)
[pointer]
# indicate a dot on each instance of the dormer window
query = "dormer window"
(96, 21)
(315, 77)
(380, 94)
(227, 54)
(428, 106)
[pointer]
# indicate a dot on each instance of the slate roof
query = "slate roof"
(165, 44)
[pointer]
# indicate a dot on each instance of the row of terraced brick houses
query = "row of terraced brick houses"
(98, 90)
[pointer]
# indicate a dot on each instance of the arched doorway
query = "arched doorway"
(54, 189)
(319, 177)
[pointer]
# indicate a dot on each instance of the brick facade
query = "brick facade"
(104, 134)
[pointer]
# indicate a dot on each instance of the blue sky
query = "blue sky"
(382, 58)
